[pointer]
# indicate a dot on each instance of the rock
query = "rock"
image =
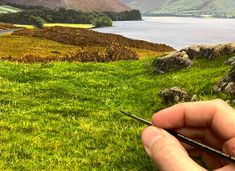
(184, 57)
(174, 95)
(197, 51)
(227, 84)
(230, 61)
(173, 61)
(209, 52)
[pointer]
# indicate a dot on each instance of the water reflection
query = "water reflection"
(176, 31)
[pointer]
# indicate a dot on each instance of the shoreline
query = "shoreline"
(188, 16)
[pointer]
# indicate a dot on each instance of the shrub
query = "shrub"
(102, 21)
(113, 52)
(37, 21)
(119, 52)
(88, 56)
(30, 58)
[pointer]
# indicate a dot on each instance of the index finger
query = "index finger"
(215, 115)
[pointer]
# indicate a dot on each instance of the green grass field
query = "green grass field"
(64, 116)
(8, 9)
(58, 24)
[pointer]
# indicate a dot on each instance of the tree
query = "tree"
(40, 14)
(37, 21)
(102, 21)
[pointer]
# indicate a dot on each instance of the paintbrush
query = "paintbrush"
(188, 141)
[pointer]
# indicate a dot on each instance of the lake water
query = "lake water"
(178, 32)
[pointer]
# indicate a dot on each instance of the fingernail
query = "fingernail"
(151, 136)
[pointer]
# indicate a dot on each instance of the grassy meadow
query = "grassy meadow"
(86, 26)
(64, 115)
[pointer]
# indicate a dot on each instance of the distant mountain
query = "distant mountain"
(216, 8)
(83, 5)
(144, 5)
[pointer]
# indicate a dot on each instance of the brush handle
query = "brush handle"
(201, 146)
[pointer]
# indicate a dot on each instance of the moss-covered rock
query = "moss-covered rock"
(209, 51)
(227, 84)
(173, 61)
(175, 95)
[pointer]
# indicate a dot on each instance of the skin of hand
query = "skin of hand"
(210, 122)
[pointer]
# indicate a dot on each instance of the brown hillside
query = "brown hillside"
(85, 37)
(83, 5)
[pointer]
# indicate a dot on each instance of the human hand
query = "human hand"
(209, 122)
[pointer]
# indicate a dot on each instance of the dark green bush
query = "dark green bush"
(37, 21)
(102, 21)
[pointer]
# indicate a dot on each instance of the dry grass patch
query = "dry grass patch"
(85, 37)
(114, 52)
(20, 46)
(5, 26)
(31, 49)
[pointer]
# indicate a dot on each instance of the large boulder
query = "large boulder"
(209, 51)
(175, 95)
(227, 84)
(197, 51)
(173, 61)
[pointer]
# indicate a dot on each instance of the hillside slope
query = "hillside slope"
(85, 38)
(84, 5)
(144, 5)
(216, 8)
(6, 9)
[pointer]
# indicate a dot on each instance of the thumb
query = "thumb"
(167, 151)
